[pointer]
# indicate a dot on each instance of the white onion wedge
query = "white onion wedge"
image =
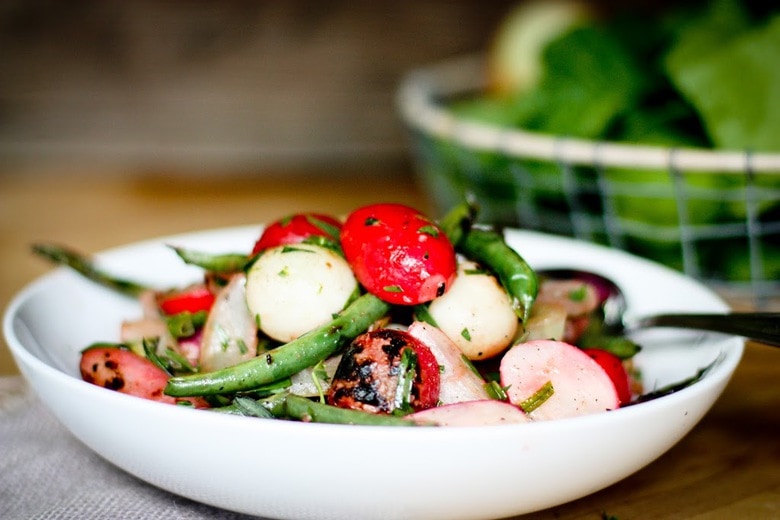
(230, 333)
(303, 384)
(547, 321)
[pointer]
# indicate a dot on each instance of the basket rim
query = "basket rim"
(416, 102)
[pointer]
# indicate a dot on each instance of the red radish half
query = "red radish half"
(613, 366)
(579, 385)
(297, 228)
(398, 254)
(128, 373)
(193, 299)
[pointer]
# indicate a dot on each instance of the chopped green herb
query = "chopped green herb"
(578, 294)
(252, 408)
(421, 313)
(324, 242)
(393, 288)
(466, 334)
(371, 221)
(538, 398)
(495, 391)
(150, 351)
(178, 363)
(318, 376)
(429, 230)
(407, 372)
(293, 249)
(326, 227)
(224, 338)
(470, 364)
(270, 389)
(285, 272)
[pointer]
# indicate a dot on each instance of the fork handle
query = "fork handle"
(763, 327)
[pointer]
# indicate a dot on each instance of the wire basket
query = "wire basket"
(714, 215)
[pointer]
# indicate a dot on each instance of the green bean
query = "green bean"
(291, 406)
(288, 359)
(216, 263)
(304, 409)
(84, 266)
(185, 323)
(489, 248)
(248, 406)
(266, 407)
(458, 221)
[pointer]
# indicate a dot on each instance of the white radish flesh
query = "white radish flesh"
(230, 333)
(293, 289)
(476, 313)
(547, 321)
(459, 382)
(303, 383)
(580, 385)
(472, 413)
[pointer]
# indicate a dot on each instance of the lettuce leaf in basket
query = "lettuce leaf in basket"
(588, 81)
(726, 67)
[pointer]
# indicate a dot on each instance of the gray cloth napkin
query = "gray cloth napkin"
(46, 473)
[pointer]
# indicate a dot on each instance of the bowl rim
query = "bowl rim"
(417, 103)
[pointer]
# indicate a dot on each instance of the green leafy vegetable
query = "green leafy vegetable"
(725, 66)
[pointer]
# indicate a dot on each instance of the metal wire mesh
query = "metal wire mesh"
(714, 215)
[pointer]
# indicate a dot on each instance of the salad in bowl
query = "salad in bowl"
(383, 365)
(388, 317)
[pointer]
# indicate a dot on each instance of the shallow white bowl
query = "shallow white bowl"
(280, 469)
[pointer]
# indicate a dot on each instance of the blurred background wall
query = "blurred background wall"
(228, 86)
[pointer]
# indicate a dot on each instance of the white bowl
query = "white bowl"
(280, 469)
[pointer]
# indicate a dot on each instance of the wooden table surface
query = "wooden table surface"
(727, 467)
